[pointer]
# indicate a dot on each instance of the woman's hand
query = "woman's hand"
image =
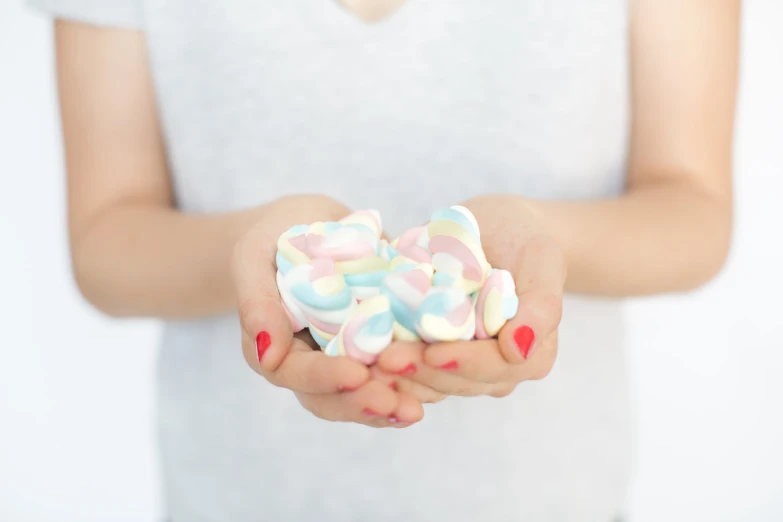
(526, 348)
(332, 388)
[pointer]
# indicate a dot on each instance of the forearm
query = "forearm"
(148, 260)
(650, 240)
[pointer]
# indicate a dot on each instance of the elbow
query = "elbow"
(711, 253)
(86, 275)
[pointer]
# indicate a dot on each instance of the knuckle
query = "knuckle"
(503, 390)
(433, 398)
(318, 412)
(544, 361)
(548, 306)
(460, 391)
(313, 406)
(248, 315)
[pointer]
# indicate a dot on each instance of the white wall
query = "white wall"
(76, 439)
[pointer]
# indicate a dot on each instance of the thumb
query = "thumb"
(266, 328)
(539, 274)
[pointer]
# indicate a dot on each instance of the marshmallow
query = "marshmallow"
(406, 287)
(445, 314)
(411, 245)
(353, 244)
(315, 294)
(288, 255)
(367, 222)
(356, 291)
(455, 244)
(496, 303)
(366, 333)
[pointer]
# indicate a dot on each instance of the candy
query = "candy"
(289, 255)
(496, 303)
(316, 295)
(406, 287)
(356, 292)
(366, 333)
(352, 243)
(445, 314)
(455, 243)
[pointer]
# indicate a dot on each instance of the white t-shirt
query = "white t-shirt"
(445, 100)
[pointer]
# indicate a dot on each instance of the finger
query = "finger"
(401, 358)
(480, 361)
(407, 359)
(422, 394)
(379, 375)
(309, 371)
(372, 404)
(267, 332)
(539, 274)
(542, 362)
(409, 411)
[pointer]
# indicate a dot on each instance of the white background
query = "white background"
(76, 438)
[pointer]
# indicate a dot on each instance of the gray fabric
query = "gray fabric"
(443, 101)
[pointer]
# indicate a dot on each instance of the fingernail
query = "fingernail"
(397, 422)
(524, 338)
(393, 385)
(408, 370)
(370, 413)
(451, 365)
(263, 340)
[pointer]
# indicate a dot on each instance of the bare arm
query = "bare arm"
(671, 230)
(133, 253)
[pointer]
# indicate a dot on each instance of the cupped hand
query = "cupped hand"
(332, 388)
(526, 347)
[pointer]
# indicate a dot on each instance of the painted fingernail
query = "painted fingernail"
(408, 370)
(263, 340)
(524, 338)
(370, 413)
(451, 365)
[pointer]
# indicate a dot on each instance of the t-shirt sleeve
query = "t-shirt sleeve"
(111, 13)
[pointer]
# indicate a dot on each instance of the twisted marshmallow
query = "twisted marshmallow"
(353, 243)
(324, 268)
(455, 244)
(406, 287)
(445, 314)
(410, 248)
(496, 303)
(366, 333)
(315, 295)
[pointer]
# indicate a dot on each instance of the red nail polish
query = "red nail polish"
(524, 338)
(370, 413)
(408, 370)
(263, 340)
(451, 365)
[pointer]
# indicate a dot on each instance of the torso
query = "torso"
(441, 101)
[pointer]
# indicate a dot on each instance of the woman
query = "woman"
(589, 135)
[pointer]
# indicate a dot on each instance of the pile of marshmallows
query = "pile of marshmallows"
(356, 292)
